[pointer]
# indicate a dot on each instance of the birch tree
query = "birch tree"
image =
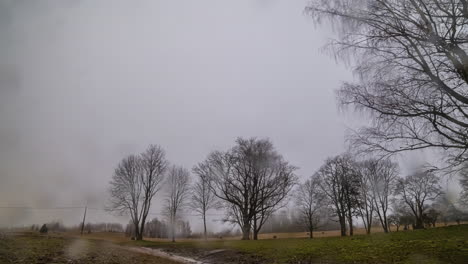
(411, 62)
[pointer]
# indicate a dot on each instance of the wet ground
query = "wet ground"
(35, 248)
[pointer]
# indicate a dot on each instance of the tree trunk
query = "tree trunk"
(419, 218)
(173, 234)
(342, 225)
(385, 226)
(138, 236)
(204, 227)
(173, 229)
(311, 233)
(419, 223)
(246, 232)
(142, 229)
(255, 229)
(350, 221)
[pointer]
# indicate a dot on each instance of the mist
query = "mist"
(85, 83)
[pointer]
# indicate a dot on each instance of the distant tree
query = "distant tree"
(406, 221)
(43, 229)
(416, 190)
(184, 229)
(203, 198)
(380, 178)
(339, 181)
(412, 62)
(464, 184)
(103, 227)
(310, 203)
(135, 182)
(393, 219)
(455, 214)
(253, 180)
(430, 217)
(130, 230)
(55, 226)
(402, 213)
(285, 221)
(365, 206)
(178, 191)
(156, 229)
(442, 204)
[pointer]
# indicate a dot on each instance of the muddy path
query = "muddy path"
(199, 256)
(162, 254)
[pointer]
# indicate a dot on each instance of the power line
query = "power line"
(43, 208)
(90, 208)
(101, 209)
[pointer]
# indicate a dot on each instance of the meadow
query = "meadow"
(434, 245)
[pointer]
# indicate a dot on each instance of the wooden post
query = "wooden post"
(84, 218)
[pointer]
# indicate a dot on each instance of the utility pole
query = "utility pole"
(84, 219)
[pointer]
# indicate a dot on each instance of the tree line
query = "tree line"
(251, 180)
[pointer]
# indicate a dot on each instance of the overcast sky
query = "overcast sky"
(84, 83)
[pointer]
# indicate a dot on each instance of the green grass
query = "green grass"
(436, 245)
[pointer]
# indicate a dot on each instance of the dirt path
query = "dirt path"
(162, 254)
(199, 256)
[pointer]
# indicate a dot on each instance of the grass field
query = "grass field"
(436, 245)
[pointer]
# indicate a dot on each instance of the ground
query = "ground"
(435, 245)
(27, 247)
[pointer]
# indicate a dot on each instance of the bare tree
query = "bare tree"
(412, 63)
(253, 179)
(203, 199)
(416, 190)
(339, 182)
(310, 203)
(402, 215)
(135, 182)
(464, 184)
(393, 219)
(380, 175)
(366, 197)
(178, 191)
(430, 217)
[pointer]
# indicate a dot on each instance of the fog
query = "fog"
(84, 83)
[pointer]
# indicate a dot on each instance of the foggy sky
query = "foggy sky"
(84, 83)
